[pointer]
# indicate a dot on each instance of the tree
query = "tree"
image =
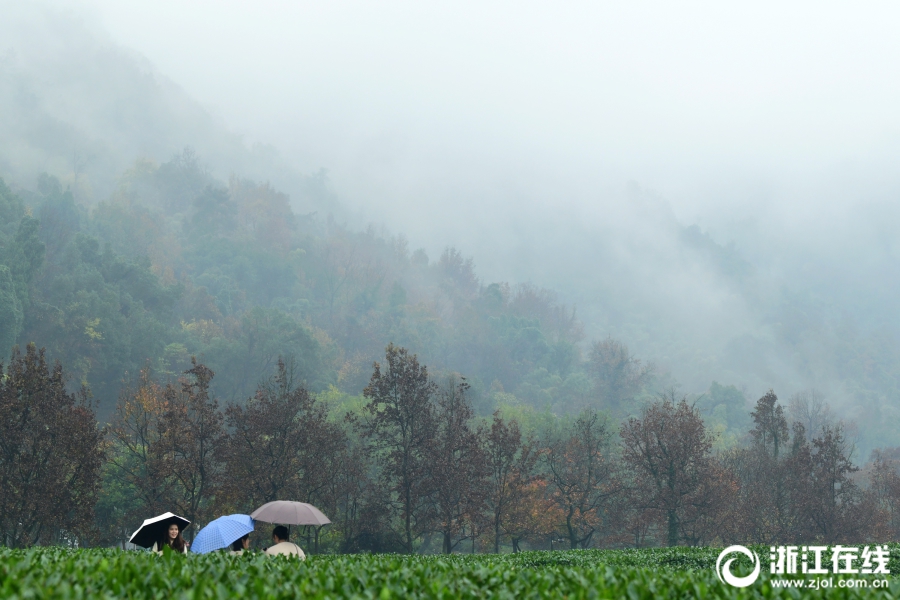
(618, 376)
(885, 486)
(51, 454)
(532, 513)
(399, 424)
(770, 429)
(510, 464)
(668, 450)
(167, 443)
(833, 495)
(193, 433)
(279, 444)
(139, 453)
(772, 483)
(583, 477)
(282, 445)
(809, 408)
(456, 466)
(21, 255)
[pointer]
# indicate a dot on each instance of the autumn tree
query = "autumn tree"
(278, 444)
(281, 446)
(582, 475)
(532, 514)
(511, 462)
(51, 454)
(801, 486)
(167, 443)
(139, 454)
(668, 450)
(456, 466)
(399, 423)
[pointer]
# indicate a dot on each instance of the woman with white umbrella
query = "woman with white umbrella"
(173, 540)
(162, 530)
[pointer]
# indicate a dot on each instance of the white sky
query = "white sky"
(418, 108)
(639, 89)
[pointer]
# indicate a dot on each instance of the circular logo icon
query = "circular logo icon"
(723, 572)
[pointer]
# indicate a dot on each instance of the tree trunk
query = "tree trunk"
(409, 546)
(573, 537)
(672, 519)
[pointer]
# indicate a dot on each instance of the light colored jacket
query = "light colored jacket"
(158, 551)
(286, 548)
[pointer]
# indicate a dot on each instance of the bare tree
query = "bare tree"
(809, 408)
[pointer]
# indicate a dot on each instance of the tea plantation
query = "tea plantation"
(648, 573)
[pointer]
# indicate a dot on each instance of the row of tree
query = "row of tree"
(411, 468)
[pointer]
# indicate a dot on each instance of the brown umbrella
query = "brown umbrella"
(285, 512)
(153, 530)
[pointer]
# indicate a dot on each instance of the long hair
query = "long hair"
(238, 544)
(177, 544)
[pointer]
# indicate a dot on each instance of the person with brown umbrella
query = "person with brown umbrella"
(285, 512)
(282, 546)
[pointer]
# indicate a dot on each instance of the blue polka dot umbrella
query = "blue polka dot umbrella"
(221, 533)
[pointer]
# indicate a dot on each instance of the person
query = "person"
(173, 540)
(239, 545)
(282, 545)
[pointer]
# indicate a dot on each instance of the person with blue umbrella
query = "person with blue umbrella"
(222, 533)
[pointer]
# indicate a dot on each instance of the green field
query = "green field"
(655, 573)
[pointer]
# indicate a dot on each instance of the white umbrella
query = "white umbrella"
(153, 530)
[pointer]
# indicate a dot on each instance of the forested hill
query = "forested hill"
(177, 264)
(121, 249)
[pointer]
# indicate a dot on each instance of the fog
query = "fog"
(573, 146)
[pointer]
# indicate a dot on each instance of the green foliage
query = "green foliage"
(176, 264)
(11, 313)
(21, 255)
(725, 409)
(633, 574)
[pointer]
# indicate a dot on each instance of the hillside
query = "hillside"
(164, 236)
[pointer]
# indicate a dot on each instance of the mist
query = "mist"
(715, 186)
